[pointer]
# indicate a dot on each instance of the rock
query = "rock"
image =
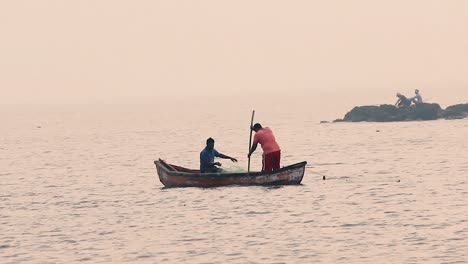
(453, 117)
(458, 111)
(324, 122)
(380, 113)
(424, 112)
(390, 113)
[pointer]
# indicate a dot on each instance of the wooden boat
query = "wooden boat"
(176, 176)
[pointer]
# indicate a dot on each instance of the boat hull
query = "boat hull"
(171, 177)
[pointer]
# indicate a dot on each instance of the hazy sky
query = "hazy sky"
(121, 51)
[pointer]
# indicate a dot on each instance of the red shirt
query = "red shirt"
(265, 137)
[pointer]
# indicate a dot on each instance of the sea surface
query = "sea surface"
(78, 184)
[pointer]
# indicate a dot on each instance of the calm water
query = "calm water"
(78, 184)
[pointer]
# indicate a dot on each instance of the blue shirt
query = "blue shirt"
(207, 158)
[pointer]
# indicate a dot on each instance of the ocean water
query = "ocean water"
(78, 184)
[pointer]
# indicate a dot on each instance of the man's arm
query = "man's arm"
(220, 155)
(254, 147)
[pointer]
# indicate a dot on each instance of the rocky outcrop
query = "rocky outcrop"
(390, 113)
(458, 111)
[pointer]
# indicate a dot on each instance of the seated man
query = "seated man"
(417, 99)
(402, 101)
(207, 156)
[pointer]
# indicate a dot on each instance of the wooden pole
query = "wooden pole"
(250, 139)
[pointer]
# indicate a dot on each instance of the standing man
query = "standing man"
(402, 101)
(271, 149)
(207, 156)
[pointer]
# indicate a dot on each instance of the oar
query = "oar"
(250, 139)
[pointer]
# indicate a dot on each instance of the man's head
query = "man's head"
(256, 127)
(210, 143)
(416, 91)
